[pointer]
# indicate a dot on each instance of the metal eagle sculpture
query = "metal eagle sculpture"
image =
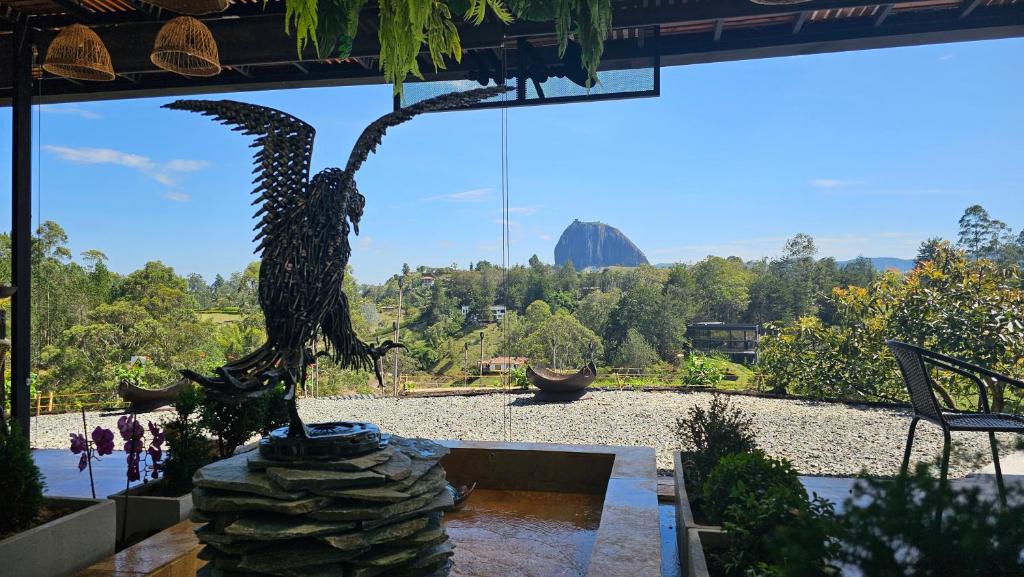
(304, 247)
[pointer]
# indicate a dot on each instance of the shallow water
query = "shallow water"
(524, 533)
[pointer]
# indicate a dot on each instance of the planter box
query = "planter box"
(63, 546)
(148, 514)
(692, 538)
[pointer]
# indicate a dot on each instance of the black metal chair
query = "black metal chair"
(914, 363)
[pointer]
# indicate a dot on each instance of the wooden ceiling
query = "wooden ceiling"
(258, 55)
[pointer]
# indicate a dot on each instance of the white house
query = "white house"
(503, 364)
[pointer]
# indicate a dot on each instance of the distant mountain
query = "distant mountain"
(595, 244)
(886, 263)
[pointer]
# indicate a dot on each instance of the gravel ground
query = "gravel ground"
(819, 438)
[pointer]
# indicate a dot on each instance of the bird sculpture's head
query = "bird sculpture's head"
(337, 188)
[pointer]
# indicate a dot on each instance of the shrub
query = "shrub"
(517, 377)
(774, 529)
(710, 434)
(188, 447)
(21, 483)
(232, 425)
(916, 526)
(701, 371)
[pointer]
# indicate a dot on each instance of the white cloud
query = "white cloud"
(365, 241)
(945, 57)
(185, 165)
(831, 183)
(543, 236)
(177, 196)
(162, 172)
(71, 110)
(839, 246)
(473, 195)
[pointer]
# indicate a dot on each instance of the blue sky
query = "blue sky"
(870, 152)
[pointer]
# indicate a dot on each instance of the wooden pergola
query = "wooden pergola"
(258, 55)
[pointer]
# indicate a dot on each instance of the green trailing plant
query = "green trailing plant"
(774, 529)
(21, 483)
(304, 16)
(442, 36)
(406, 25)
(586, 21)
(403, 29)
(707, 435)
(917, 526)
(336, 28)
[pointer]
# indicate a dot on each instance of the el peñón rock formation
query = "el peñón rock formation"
(595, 244)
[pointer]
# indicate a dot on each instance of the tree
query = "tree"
(537, 313)
(799, 247)
(722, 288)
(982, 236)
(643, 308)
(928, 249)
(562, 341)
(595, 309)
(635, 351)
(405, 269)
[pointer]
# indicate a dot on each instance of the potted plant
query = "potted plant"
(739, 511)
(203, 430)
(708, 435)
(46, 536)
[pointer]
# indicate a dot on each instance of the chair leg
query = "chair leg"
(906, 451)
(999, 470)
(944, 467)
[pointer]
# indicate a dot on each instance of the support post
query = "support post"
(21, 225)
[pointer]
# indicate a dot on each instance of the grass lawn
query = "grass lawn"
(219, 317)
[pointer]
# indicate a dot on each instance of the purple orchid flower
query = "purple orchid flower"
(78, 443)
(103, 439)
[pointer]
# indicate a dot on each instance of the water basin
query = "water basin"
(507, 533)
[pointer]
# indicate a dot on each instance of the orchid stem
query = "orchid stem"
(88, 453)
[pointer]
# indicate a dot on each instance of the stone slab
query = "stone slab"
(275, 559)
(218, 502)
(442, 501)
(232, 474)
(280, 528)
(359, 463)
(363, 539)
(398, 467)
(317, 479)
(351, 511)
(412, 486)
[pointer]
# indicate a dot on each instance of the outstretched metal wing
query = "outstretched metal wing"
(372, 135)
(285, 147)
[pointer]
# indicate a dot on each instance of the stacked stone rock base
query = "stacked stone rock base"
(374, 515)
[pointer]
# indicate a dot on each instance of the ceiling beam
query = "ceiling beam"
(883, 14)
(801, 18)
(75, 8)
(719, 24)
(969, 6)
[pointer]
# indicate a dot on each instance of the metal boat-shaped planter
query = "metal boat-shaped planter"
(145, 400)
(552, 382)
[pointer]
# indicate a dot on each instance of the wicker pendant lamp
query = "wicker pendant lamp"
(78, 53)
(186, 46)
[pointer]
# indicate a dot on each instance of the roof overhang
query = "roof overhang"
(258, 55)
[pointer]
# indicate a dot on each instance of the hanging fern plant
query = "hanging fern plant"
(587, 21)
(406, 25)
